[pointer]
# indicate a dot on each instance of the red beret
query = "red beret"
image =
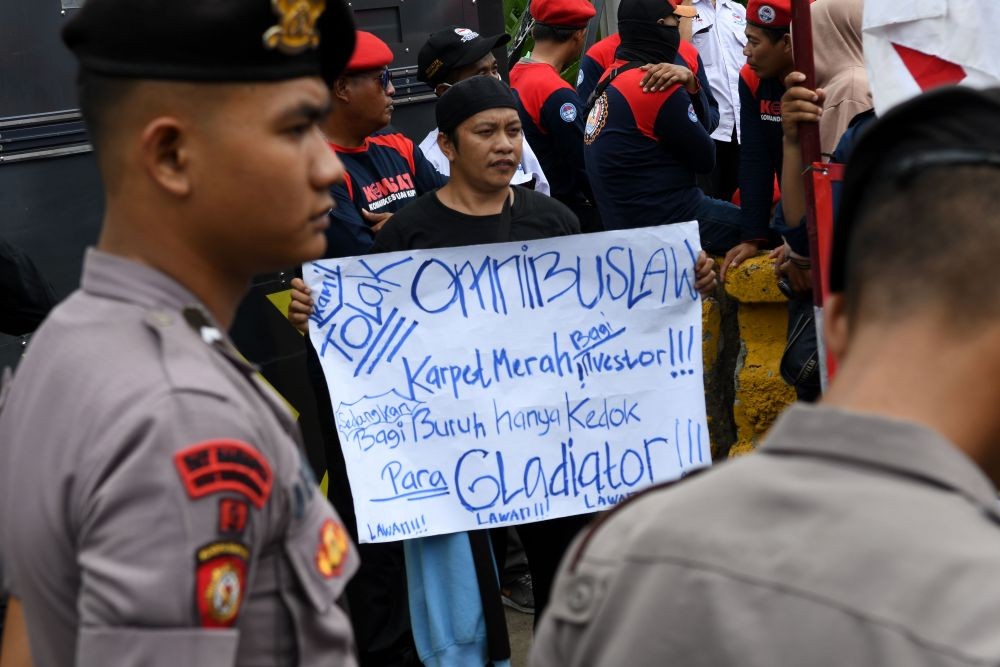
(564, 13)
(370, 52)
(770, 13)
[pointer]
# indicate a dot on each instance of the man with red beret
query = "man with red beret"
(769, 61)
(384, 171)
(550, 109)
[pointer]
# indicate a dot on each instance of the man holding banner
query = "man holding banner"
(544, 379)
(864, 531)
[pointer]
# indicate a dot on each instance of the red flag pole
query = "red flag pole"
(802, 52)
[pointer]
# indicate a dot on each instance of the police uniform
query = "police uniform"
(155, 504)
(813, 551)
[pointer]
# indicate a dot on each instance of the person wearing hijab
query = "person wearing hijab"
(840, 67)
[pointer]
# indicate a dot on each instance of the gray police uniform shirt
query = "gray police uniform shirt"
(848, 539)
(155, 505)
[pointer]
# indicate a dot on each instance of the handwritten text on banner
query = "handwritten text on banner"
(501, 384)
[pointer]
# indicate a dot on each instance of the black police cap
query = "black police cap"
(947, 127)
(212, 40)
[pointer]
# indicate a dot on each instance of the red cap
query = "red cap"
(686, 11)
(564, 13)
(770, 13)
(370, 52)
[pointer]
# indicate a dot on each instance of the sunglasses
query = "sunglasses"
(384, 77)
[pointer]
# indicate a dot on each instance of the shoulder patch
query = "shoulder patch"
(579, 77)
(568, 112)
(332, 550)
(596, 120)
(233, 515)
(692, 116)
(220, 582)
(217, 466)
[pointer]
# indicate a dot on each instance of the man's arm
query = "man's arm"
(682, 134)
(562, 117)
(14, 648)
(349, 233)
(756, 181)
(589, 77)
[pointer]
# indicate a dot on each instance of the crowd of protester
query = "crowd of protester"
(690, 111)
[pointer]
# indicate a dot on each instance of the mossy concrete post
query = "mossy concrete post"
(762, 313)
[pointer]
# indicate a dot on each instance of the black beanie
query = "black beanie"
(467, 98)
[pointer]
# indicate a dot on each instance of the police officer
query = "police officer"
(864, 530)
(551, 111)
(155, 504)
(769, 61)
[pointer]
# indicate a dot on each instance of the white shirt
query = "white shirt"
(718, 34)
(528, 169)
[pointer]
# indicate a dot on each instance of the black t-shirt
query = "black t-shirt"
(427, 223)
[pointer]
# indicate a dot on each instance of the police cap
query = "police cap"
(212, 40)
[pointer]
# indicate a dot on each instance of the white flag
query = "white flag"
(915, 45)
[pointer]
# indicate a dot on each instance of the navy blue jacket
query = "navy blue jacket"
(552, 117)
(643, 151)
(760, 151)
(600, 56)
(382, 176)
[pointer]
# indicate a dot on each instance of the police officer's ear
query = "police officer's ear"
(166, 154)
(836, 325)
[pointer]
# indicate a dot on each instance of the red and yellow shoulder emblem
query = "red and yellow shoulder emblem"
(220, 583)
(331, 553)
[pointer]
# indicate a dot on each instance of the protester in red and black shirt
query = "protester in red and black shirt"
(551, 112)
(643, 149)
(385, 171)
(600, 56)
(769, 61)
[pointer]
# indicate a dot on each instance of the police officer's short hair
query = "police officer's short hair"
(919, 220)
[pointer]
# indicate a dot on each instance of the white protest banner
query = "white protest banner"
(500, 384)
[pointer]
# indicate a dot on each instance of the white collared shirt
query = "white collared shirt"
(527, 170)
(718, 34)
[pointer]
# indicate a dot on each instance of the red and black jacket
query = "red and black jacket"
(760, 151)
(600, 56)
(643, 151)
(382, 176)
(553, 118)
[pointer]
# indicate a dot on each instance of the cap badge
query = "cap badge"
(296, 30)
(433, 68)
(766, 14)
(466, 34)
